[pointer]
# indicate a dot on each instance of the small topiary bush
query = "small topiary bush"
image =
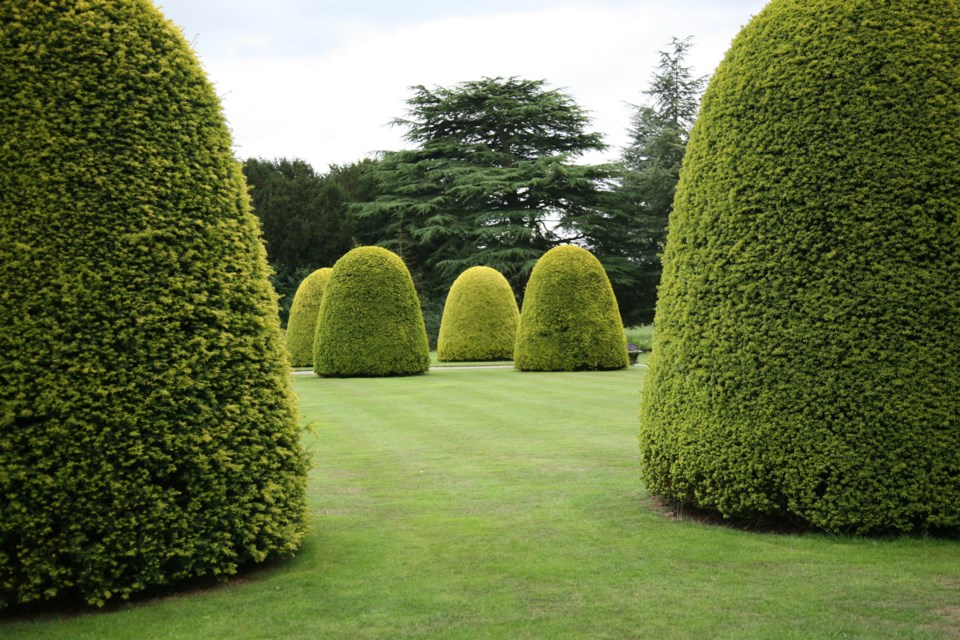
(302, 327)
(806, 360)
(370, 323)
(569, 320)
(148, 431)
(479, 319)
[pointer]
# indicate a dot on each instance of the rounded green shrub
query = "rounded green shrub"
(806, 361)
(569, 320)
(302, 327)
(479, 318)
(370, 321)
(148, 431)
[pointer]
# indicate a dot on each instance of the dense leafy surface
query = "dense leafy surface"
(491, 503)
(479, 319)
(302, 328)
(807, 353)
(569, 320)
(147, 429)
(370, 323)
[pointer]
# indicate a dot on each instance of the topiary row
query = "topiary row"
(806, 362)
(148, 433)
(302, 327)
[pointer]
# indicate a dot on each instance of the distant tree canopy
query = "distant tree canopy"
(495, 179)
(651, 169)
(492, 181)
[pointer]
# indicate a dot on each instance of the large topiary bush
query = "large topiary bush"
(806, 362)
(479, 318)
(569, 320)
(302, 327)
(148, 433)
(370, 322)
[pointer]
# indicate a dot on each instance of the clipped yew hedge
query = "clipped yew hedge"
(480, 318)
(569, 320)
(370, 322)
(806, 362)
(148, 433)
(302, 326)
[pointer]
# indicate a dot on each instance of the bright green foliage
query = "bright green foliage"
(370, 322)
(148, 432)
(479, 319)
(302, 328)
(569, 320)
(806, 360)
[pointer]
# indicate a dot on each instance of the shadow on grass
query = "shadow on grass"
(673, 510)
(72, 605)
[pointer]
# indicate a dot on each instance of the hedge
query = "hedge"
(569, 320)
(480, 318)
(370, 323)
(806, 361)
(302, 327)
(148, 432)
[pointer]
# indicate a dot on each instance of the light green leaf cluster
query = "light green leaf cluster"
(480, 318)
(569, 320)
(148, 432)
(806, 362)
(302, 328)
(370, 322)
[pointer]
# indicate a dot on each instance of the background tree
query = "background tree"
(651, 163)
(491, 182)
(306, 216)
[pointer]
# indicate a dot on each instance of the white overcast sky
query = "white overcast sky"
(320, 80)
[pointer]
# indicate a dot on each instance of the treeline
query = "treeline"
(494, 178)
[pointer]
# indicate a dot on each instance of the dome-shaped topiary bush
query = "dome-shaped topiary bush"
(806, 362)
(148, 433)
(479, 318)
(569, 320)
(370, 321)
(302, 327)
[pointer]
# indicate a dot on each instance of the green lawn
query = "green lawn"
(490, 503)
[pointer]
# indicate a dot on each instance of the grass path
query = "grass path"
(490, 503)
